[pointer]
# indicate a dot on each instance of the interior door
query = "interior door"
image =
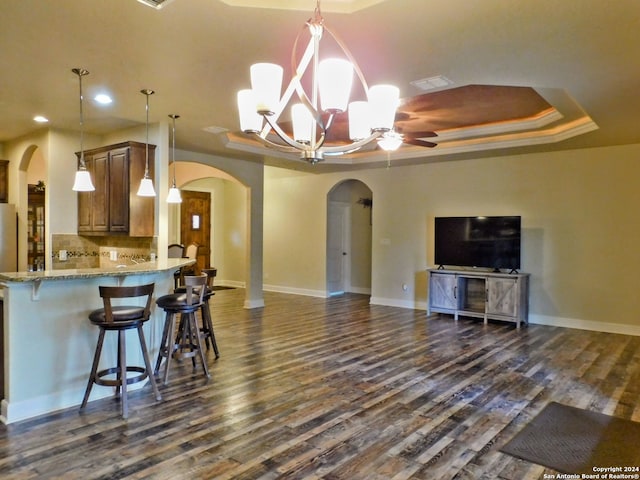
(195, 224)
(338, 243)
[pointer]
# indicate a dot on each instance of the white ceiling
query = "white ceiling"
(583, 56)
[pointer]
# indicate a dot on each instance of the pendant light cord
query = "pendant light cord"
(146, 163)
(173, 117)
(81, 72)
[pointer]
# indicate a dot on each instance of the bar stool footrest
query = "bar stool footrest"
(107, 382)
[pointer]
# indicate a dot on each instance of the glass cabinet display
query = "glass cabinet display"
(35, 227)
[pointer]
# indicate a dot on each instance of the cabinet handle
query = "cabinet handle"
(455, 291)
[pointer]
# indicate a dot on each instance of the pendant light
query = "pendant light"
(146, 184)
(82, 181)
(174, 192)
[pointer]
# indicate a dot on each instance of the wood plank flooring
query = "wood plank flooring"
(310, 388)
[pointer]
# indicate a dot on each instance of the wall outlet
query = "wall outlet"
(113, 255)
(62, 255)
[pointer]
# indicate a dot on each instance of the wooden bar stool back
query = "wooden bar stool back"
(176, 250)
(205, 312)
(120, 318)
(188, 344)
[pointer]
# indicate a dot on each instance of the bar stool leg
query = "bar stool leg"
(147, 362)
(170, 346)
(208, 328)
(163, 342)
(194, 326)
(188, 337)
(94, 369)
(122, 372)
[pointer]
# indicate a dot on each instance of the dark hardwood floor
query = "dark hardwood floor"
(309, 388)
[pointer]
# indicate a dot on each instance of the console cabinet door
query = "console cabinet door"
(442, 291)
(502, 296)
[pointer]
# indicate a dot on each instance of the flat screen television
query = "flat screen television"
(482, 242)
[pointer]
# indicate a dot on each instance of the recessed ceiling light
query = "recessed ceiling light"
(40, 119)
(215, 130)
(103, 99)
(432, 83)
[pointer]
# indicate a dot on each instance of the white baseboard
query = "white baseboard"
(563, 322)
(394, 302)
(580, 324)
(360, 290)
(295, 291)
(11, 412)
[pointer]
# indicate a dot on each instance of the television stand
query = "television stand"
(486, 295)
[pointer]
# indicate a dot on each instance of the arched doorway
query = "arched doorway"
(227, 222)
(349, 234)
(34, 233)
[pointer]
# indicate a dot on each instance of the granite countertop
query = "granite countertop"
(160, 265)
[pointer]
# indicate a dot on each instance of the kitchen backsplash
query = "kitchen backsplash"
(96, 252)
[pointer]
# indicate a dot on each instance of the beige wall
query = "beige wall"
(580, 225)
(580, 228)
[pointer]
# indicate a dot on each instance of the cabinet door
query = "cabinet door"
(442, 291)
(4, 181)
(93, 213)
(119, 190)
(100, 202)
(502, 296)
(141, 209)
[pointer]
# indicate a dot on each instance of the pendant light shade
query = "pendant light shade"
(146, 184)
(335, 76)
(82, 181)
(174, 192)
(383, 102)
(146, 188)
(250, 119)
(303, 123)
(266, 83)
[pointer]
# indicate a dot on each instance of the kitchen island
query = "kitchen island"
(49, 342)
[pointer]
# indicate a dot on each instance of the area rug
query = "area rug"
(576, 441)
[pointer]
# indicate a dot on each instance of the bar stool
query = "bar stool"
(205, 311)
(120, 318)
(188, 344)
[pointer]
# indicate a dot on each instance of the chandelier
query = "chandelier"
(313, 115)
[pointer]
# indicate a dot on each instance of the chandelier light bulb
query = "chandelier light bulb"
(303, 123)
(250, 120)
(383, 102)
(335, 76)
(359, 120)
(266, 83)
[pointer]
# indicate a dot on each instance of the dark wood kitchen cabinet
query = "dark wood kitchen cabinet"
(4, 181)
(114, 208)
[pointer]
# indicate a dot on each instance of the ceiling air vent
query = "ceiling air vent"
(432, 83)
(157, 4)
